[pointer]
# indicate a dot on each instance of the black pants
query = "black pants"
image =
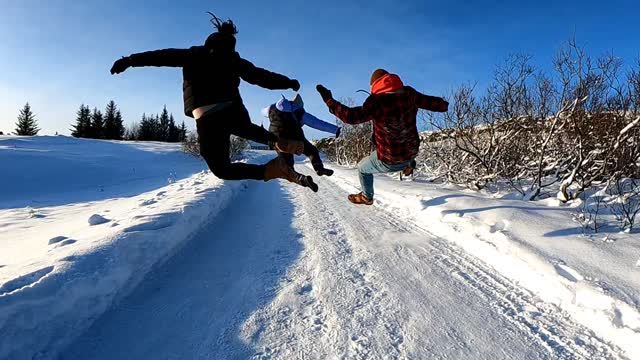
(214, 131)
(309, 151)
(294, 132)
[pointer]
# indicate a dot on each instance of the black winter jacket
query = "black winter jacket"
(285, 124)
(209, 77)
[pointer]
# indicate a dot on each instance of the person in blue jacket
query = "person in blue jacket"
(287, 117)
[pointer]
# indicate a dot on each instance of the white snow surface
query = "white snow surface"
(69, 251)
(169, 262)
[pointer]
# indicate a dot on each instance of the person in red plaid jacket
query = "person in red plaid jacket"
(393, 108)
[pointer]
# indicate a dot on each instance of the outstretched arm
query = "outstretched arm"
(355, 115)
(166, 57)
(265, 78)
(431, 103)
(313, 122)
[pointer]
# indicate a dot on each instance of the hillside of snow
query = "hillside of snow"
(134, 250)
(81, 222)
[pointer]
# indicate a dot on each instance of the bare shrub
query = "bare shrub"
(190, 144)
(237, 146)
(576, 129)
(588, 213)
(626, 202)
(354, 144)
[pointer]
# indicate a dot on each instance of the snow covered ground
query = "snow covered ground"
(179, 264)
(81, 222)
(594, 279)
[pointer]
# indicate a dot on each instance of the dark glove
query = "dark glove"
(324, 93)
(338, 132)
(121, 65)
(295, 85)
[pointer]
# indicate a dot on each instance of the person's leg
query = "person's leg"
(312, 153)
(242, 126)
(288, 158)
(281, 167)
(213, 137)
(372, 165)
(366, 168)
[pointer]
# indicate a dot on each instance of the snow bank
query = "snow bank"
(63, 265)
(537, 245)
(56, 170)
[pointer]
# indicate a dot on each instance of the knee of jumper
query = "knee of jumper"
(221, 171)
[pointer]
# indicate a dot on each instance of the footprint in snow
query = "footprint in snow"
(152, 224)
(96, 219)
(67, 242)
(57, 239)
(568, 273)
(24, 280)
(305, 289)
(147, 202)
(499, 226)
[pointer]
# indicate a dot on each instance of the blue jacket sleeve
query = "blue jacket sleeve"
(318, 124)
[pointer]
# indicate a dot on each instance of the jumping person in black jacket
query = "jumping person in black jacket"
(212, 76)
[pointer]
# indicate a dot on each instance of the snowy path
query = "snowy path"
(308, 275)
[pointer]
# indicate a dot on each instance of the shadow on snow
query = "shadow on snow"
(195, 305)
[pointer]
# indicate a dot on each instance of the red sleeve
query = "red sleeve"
(352, 116)
(431, 103)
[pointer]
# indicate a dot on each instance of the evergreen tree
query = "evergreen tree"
(182, 132)
(83, 122)
(97, 125)
(163, 125)
(174, 132)
(27, 124)
(148, 129)
(111, 129)
(119, 133)
(131, 132)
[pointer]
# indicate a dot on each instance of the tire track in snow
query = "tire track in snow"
(545, 323)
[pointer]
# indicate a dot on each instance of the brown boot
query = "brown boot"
(360, 198)
(289, 146)
(279, 169)
(409, 169)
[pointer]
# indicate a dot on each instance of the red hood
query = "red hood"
(387, 83)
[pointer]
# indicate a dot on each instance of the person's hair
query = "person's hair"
(223, 27)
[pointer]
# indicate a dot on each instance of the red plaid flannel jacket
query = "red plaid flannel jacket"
(394, 120)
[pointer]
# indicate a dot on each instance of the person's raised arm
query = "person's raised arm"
(165, 57)
(431, 103)
(348, 115)
(313, 122)
(265, 78)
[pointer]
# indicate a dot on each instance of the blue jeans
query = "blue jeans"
(372, 165)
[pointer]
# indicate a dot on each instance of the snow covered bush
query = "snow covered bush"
(190, 144)
(626, 203)
(575, 129)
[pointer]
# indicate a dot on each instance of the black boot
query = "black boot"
(324, 172)
(307, 181)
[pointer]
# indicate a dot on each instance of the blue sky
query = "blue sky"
(57, 54)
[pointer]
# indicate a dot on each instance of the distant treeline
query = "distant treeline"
(109, 125)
